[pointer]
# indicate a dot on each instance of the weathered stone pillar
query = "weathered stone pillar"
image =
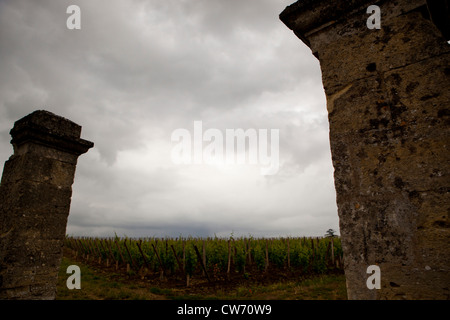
(35, 194)
(388, 102)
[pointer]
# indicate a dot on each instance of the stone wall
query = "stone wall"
(35, 195)
(388, 102)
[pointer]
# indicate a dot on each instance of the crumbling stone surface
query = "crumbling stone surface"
(388, 107)
(35, 194)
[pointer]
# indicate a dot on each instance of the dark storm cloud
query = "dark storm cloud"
(138, 70)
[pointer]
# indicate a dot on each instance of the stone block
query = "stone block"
(35, 194)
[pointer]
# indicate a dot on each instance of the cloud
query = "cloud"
(138, 70)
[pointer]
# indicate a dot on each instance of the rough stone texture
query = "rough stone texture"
(388, 102)
(35, 194)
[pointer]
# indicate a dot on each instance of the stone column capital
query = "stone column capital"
(47, 129)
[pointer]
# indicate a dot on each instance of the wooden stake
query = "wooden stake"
(288, 254)
(180, 265)
(332, 251)
(88, 244)
(313, 256)
(103, 248)
(98, 248)
(234, 254)
(184, 255)
(159, 259)
(120, 251)
(229, 259)
(142, 254)
(129, 254)
(110, 251)
(328, 255)
(249, 253)
(201, 262)
(267, 256)
(204, 255)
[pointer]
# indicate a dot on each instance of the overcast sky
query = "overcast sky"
(137, 71)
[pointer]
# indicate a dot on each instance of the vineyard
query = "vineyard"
(212, 258)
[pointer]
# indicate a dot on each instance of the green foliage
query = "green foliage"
(278, 253)
(191, 260)
(309, 255)
(240, 257)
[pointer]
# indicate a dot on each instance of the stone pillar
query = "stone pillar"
(388, 102)
(35, 194)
